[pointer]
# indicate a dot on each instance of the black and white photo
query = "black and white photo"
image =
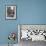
(11, 12)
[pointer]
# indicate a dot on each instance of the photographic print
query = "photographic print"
(11, 12)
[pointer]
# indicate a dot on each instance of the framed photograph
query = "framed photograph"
(11, 12)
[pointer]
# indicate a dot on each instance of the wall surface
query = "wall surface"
(28, 12)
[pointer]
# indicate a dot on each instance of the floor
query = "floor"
(7, 45)
(30, 43)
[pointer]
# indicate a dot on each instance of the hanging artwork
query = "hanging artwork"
(11, 12)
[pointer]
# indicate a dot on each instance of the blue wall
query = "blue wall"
(28, 12)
